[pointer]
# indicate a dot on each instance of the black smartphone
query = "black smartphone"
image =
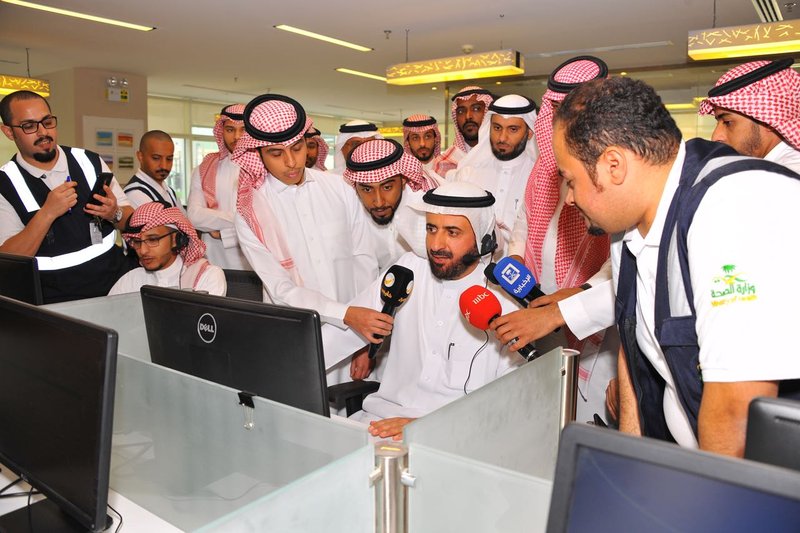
(103, 179)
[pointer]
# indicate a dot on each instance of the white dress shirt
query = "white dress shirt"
(225, 251)
(211, 280)
(10, 224)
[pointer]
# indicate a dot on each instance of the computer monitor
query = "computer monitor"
(57, 377)
(608, 481)
(773, 432)
(271, 351)
(19, 278)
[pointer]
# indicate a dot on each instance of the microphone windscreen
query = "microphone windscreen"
(398, 282)
(514, 277)
(479, 306)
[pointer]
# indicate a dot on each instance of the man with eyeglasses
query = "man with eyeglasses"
(47, 209)
(170, 252)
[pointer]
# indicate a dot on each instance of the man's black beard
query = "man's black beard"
(384, 221)
(45, 157)
(513, 154)
(456, 269)
(595, 231)
(420, 159)
(470, 138)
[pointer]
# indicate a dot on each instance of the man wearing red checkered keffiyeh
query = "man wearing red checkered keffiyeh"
(170, 253)
(212, 196)
(564, 257)
(385, 177)
(467, 111)
(757, 107)
(303, 230)
(317, 149)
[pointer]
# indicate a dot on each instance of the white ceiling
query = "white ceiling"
(224, 51)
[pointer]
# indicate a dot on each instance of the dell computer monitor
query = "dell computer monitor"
(271, 351)
(19, 278)
(608, 481)
(57, 377)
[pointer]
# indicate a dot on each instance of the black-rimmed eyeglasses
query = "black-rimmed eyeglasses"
(151, 242)
(32, 126)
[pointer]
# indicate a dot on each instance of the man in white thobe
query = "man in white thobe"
(435, 356)
(386, 178)
(503, 158)
(302, 230)
(757, 107)
(212, 198)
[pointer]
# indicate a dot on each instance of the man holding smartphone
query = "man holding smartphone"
(47, 210)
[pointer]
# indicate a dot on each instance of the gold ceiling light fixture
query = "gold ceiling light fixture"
(76, 14)
(10, 84)
(320, 37)
(745, 41)
(492, 64)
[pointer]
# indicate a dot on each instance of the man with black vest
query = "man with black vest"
(149, 184)
(704, 309)
(46, 208)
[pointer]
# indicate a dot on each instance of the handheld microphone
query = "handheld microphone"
(398, 282)
(517, 280)
(479, 306)
(489, 273)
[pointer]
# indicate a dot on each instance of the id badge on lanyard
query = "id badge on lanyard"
(95, 233)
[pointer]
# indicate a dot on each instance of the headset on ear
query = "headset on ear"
(181, 241)
(488, 244)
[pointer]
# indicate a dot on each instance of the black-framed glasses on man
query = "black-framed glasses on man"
(32, 126)
(151, 242)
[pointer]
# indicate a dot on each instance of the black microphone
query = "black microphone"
(398, 282)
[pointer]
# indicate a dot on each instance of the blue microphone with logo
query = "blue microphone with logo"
(517, 280)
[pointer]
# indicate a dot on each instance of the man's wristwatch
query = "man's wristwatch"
(118, 215)
(586, 286)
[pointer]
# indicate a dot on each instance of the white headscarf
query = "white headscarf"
(512, 105)
(412, 226)
(354, 128)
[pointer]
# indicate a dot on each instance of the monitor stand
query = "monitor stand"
(43, 516)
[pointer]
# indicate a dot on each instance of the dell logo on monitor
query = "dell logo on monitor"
(207, 328)
(510, 273)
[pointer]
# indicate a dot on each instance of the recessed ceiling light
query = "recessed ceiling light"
(362, 74)
(78, 15)
(321, 37)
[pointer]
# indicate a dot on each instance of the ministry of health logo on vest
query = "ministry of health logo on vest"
(731, 287)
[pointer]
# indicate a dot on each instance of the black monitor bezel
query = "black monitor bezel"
(251, 307)
(31, 268)
(95, 519)
(574, 437)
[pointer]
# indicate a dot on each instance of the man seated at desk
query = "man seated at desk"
(170, 253)
(436, 356)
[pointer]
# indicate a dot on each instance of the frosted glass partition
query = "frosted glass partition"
(122, 313)
(456, 494)
(181, 451)
(513, 422)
